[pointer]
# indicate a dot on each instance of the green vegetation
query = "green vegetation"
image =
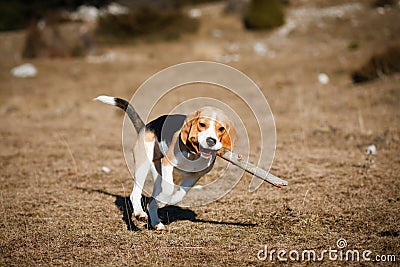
(146, 21)
(264, 14)
(384, 63)
(383, 3)
(18, 14)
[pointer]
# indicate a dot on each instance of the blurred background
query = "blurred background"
(224, 31)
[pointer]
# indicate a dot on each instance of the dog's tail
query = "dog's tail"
(126, 106)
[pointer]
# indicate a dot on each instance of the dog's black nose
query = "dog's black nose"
(211, 141)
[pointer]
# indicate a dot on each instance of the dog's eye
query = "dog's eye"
(202, 125)
(221, 129)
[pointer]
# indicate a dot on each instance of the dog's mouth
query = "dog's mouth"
(206, 153)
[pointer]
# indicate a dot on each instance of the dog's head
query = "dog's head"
(207, 130)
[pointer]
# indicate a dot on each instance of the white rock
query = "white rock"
(260, 49)
(371, 150)
(286, 29)
(24, 71)
(87, 13)
(195, 13)
(108, 57)
(323, 78)
(381, 10)
(105, 169)
(41, 24)
(117, 9)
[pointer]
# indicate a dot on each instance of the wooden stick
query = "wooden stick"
(237, 160)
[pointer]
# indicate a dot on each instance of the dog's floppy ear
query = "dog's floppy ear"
(228, 139)
(189, 128)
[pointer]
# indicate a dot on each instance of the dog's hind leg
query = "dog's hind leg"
(142, 167)
(136, 195)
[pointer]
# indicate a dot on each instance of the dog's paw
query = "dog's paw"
(159, 227)
(142, 216)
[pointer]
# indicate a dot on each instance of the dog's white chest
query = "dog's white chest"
(199, 166)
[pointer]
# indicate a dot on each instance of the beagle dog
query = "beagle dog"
(188, 144)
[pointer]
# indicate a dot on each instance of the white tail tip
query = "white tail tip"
(105, 99)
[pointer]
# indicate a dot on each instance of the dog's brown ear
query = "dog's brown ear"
(189, 128)
(228, 139)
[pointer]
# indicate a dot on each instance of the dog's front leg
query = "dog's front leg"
(163, 189)
(184, 187)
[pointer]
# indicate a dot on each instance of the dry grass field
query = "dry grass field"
(59, 208)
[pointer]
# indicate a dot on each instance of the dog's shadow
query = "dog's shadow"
(167, 214)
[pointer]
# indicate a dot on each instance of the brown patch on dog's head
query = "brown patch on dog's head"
(227, 135)
(189, 131)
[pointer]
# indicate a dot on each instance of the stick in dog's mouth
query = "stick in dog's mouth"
(206, 153)
(251, 168)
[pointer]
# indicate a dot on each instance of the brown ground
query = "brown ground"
(59, 208)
